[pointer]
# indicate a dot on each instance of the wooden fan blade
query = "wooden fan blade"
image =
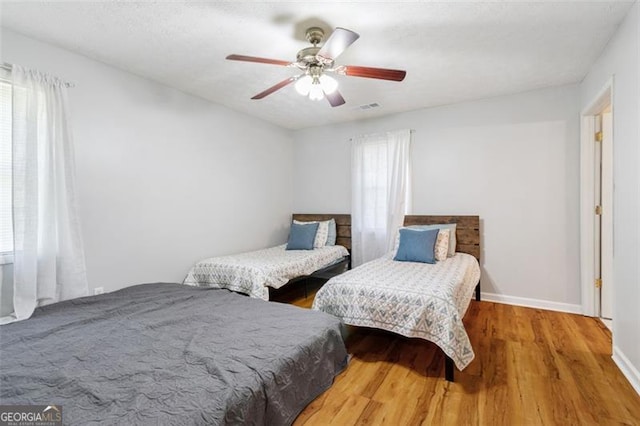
(379, 73)
(337, 43)
(334, 98)
(272, 89)
(259, 60)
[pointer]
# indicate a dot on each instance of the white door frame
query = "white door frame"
(587, 199)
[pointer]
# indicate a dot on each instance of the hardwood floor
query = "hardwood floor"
(532, 367)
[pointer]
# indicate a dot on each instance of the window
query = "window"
(6, 208)
(374, 185)
(380, 192)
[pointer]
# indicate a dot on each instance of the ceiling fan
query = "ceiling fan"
(316, 61)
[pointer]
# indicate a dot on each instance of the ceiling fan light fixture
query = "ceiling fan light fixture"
(315, 61)
(303, 85)
(329, 84)
(316, 93)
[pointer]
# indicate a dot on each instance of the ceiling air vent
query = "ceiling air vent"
(368, 106)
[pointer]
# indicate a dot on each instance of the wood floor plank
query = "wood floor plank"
(351, 410)
(532, 367)
(334, 407)
(371, 414)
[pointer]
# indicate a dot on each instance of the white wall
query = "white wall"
(620, 60)
(512, 160)
(164, 178)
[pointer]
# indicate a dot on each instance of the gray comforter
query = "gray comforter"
(171, 354)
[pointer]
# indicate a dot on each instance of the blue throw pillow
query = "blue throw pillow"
(302, 236)
(417, 246)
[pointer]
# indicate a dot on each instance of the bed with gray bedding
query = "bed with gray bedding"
(171, 354)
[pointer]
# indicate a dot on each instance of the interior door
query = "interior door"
(597, 231)
(606, 241)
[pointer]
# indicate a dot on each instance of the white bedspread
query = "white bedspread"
(251, 273)
(408, 298)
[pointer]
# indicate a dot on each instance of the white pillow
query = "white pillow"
(321, 234)
(441, 248)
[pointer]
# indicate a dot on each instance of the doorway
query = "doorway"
(597, 186)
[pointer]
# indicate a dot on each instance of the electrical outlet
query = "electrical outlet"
(98, 290)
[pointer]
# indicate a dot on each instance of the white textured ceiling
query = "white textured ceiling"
(452, 52)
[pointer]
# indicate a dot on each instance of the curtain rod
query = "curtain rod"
(9, 67)
(410, 131)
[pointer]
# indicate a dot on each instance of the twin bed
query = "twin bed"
(200, 354)
(259, 273)
(426, 301)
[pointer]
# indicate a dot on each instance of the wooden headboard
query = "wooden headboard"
(343, 225)
(467, 230)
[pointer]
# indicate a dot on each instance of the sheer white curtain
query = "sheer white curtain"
(380, 192)
(48, 251)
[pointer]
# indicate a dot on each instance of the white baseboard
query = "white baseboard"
(532, 303)
(628, 370)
